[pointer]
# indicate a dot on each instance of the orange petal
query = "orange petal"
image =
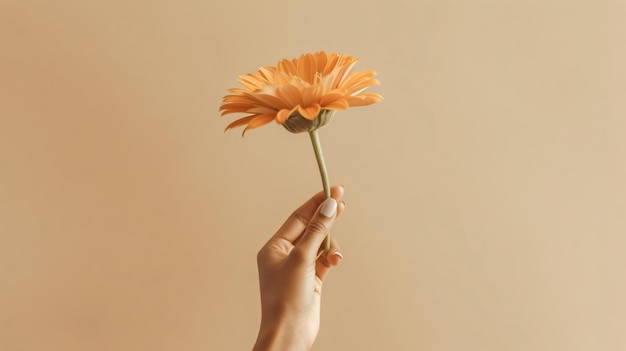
(239, 99)
(270, 101)
(356, 76)
(311, 95)
(320, 61)
(287, 66)
(359, 80)
(283, 114)
(306, 68)
(258, 121)
(331, 63)
(240, 122)
(331, 97)
(249, 108)
(237, 91)
(231, 109)
(290, 95)
(346, 63)
(262, 110)
(341, 104)
(281, 78)
(310, 112)
(252, 82)
(267, 72)
(364, 99)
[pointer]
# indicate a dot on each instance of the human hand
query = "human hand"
(292, 267)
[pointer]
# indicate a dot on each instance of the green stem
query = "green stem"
(317, 147)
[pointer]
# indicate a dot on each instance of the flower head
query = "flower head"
(296, 92)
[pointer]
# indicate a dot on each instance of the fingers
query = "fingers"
(317, 229)
(300, 218)
(341, 206)
(328, 259)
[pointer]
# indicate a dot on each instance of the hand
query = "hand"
(292, 267)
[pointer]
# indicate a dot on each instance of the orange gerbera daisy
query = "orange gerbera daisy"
(298, 91)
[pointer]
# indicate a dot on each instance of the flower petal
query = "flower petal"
(306, 68)
(258, 121)
(310, 112)
(320, 61)
(270, 101)
(331, 97)
(287, 66)
(240, 122)
(267, 72)
(235, 109)
(364, 99)
(341, 104)
(311, 95)
(344, 69)
(357, 82)
(252, 82)
(283, 114)
(290, 95)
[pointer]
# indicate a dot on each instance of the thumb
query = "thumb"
(318, 228)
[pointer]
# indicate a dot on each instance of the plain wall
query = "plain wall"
(486, 196)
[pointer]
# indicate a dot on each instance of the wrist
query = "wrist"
(279, 336)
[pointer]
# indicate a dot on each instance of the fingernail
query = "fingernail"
(338, 254)
(329, 207)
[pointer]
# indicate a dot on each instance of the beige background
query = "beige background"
(486, 204)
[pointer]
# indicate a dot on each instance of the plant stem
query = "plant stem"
(317, 147)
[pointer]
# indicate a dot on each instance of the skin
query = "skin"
(292, 267)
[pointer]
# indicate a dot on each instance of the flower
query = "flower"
(295, 92)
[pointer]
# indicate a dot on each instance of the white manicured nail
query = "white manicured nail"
(329, 207)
